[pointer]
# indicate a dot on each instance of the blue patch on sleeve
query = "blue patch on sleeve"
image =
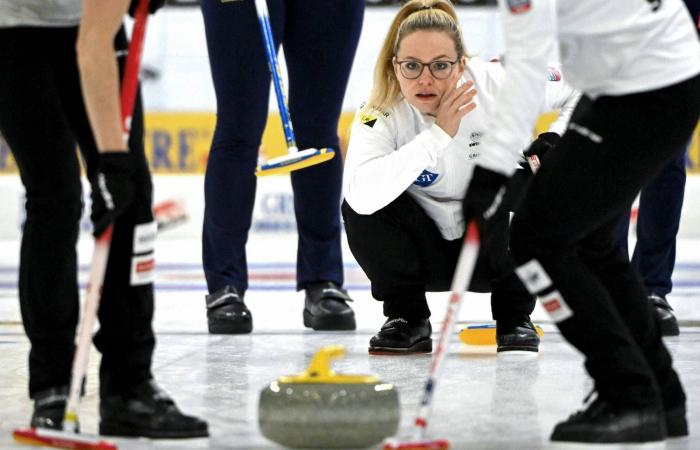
(426, 179)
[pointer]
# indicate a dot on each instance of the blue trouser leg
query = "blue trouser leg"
(319, 43)
(317, 81)
(241, 82)
(658, 220)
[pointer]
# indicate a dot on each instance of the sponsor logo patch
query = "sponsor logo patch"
(368, 119)
(519, 6)
(143, 270)
(555, 305)
(426, 179)
(533, 276)
(553, 74)
(145, 237)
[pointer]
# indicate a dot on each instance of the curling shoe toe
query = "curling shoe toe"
(401, 336)
(326, 308)
(147, 411)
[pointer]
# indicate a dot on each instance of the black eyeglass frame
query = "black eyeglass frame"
(423, 65)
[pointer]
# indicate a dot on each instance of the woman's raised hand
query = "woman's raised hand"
(455, 104)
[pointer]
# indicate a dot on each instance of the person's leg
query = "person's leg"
(242, 84)
(319, 43)
(413, 258)
(511, 303)
(654, 254)
(575, 197)
(125, 337)
(33, 123)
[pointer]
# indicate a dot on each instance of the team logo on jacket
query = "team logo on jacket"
(368, 119)
(519, 6)
(553, 74)
(426, 179)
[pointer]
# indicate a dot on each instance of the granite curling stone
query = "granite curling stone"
(321, 409)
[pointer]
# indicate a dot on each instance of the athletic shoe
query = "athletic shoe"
(227, 313)
(49, 407)
(667, 321)
(147, 411)
(516, 334)
(326, 308)
(398, 335)
(602, 422)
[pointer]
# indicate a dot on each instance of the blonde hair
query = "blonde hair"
(415, 15)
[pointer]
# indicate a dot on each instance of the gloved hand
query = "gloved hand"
(535, 153)
(484, 199)
(153, 6)
(112, 189)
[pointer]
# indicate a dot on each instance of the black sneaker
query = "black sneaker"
(664, 312)
(398, 335)
(326, 308)
(516, 335)
(49, 407)
(227, 313)
(147, 412)
(601, 422)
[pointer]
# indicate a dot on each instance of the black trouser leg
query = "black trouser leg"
(126, 337)
(33, 122)
(509, 298)
(404, 255)
(402, 252)
(567, 225)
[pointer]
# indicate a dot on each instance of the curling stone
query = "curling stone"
(321, 409)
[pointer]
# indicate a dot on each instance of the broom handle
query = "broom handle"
(100, 254)
(273, 64)
(460, 283)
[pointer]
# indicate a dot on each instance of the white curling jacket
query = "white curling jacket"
(606, 47)
(401, 149)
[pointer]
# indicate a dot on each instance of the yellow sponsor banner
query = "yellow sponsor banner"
(178, 143)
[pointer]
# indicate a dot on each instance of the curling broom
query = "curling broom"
(295, 159)
(460, 283)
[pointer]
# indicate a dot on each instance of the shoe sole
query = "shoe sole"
(115, 429)
(329, 323)
(518, 348)
(422, 346)
(229, 327)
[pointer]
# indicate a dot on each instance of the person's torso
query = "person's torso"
(625, 46)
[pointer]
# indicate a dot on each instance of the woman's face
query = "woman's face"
(429, 48)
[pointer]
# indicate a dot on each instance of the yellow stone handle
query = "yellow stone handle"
(320, 371)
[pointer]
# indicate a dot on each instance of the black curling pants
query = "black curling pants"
(42, 116)
(567, 224)
(404, 255)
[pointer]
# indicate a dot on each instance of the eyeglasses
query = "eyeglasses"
(412, 69)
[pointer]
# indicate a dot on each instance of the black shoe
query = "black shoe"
(147, 411)
(326, 308)
(49, 407)
(664, 312)
(226, 312)
(401, 336)
(601, 422)
(676, 422)
(517, 334)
